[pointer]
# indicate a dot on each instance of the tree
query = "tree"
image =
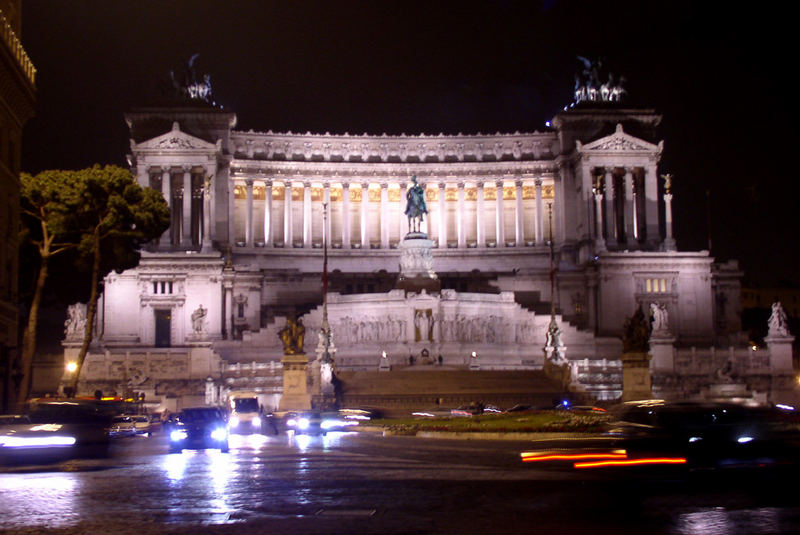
(104, 216)
(48, 208)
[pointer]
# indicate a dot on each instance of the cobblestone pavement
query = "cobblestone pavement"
(361, 483)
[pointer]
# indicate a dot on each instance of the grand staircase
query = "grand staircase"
(402, 391)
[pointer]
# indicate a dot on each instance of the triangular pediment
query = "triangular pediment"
(617, 142)
(175, 139)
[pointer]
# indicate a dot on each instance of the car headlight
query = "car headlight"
(233, 422)
(177, 435)
(256, 422)
(291, 422)
(219, 434)
(303, 423)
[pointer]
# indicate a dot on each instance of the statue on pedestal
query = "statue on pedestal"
(198, 319)
(778, 322)
(660, 317)
(292, 336)
(636, 334)
(415, 206)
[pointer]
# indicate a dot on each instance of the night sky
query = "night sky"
(720, 76)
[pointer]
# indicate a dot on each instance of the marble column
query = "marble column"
(401, 217)
(462, 234)
(166, 188)
(650, 180)
(326, 198)
(520, 234)
(480, 231)
(599, 241)
(539, 221)
(499, 223)
(186, 234)
(345, 215)
(442, 217)
(669, 241)
(268, 213)
(248, 216)
(307, 215)
(364, 215)
(384, 215)
(630, 209)
(207, 216)
(610, 219)
(288, 238)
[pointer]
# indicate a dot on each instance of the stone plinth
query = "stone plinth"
(416, 265)
(663, 352)
(295, 388)
(636, 376)
(780, 352)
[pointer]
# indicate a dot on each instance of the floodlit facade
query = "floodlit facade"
(584, 200)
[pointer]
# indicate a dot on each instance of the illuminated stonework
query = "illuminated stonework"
(251, 253)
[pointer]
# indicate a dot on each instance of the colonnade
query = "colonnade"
(188, 193)
(625, 209)
(530, 225)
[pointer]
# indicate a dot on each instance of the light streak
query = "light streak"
(632, 462)
(535, 457)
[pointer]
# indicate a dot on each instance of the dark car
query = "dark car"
(199, 428)
(56, 429)
(306, 423)
(708, 435)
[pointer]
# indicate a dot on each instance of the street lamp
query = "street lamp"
(72, 367)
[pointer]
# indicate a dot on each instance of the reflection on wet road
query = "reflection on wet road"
(370, 484)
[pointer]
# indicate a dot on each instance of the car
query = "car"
(55, 429)
(473, 409)
(708, 435)
(199, 428)
(122, 426)
(306, 423)
(141, 425)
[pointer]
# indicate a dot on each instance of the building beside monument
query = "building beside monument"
(17, 97)
(203, 311)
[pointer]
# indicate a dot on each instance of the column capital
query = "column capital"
(479, 183)
(268, 182)
(461, 184)
(442, 184)
(518, 183)
(306, 184)
(365, 185)
(537, 182)
(326, 185)
(248, 182)
(384, 185)
(345, 185)
(186, 168)
(499, 182)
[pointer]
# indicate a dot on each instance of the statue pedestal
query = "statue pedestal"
(780, 352)
(636, 376)
(663, 352)
(416, 265)
(295, 388)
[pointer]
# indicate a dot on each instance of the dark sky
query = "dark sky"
(720, 75)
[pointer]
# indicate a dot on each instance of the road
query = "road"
(367, 483)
